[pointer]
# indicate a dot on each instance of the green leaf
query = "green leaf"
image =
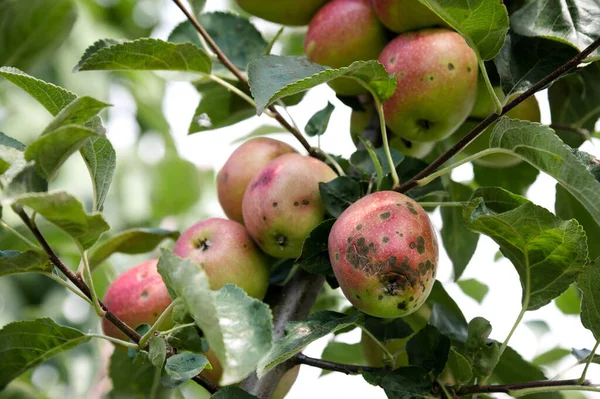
(538, 145)
(157, 352)
(410, 167)
(590, 304)
(188, 339)
(11, 155)
(29, 34)
(459, 242)
(512, 368)
(301, 333)
(317, 124)
(51, 150)
(484, 355)
(440, 296)
(218, 107)
(516, 179)
(25, 344)
(388, 329)
(134, 241)
(77, 112)
(460, 366)
(569, 302)
(339, 194)
(571, 22)
(185, 32)
(547, 252)
(551, 356)
(26, 180)
(474, 288)
(232, 393)
(101, 160)
(363, 161)
(146, 54)
(135, 378)
(67, 213)
(524, 61)
(402, 383)
(315, 253)
(429, 349)
(197, 6)
(343, 353)
(273, 77)
(182, 367)
(13, 262)
(539, 327)
(239, 345)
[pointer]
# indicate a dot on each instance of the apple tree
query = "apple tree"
(316, 243)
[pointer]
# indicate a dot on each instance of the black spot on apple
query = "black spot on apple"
(385, 215)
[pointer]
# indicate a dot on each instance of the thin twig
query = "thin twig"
(472, 135)
(507, 388)
(334, 366)
(588, 362)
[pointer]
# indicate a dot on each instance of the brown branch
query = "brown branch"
(572, 129)
(242, 78)
(82, 286)
(472, 135)
(507, 388)
(334, 366)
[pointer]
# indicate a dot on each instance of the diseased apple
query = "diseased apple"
(384, 254)
(404, 15)
(436, 73)
(285, 12)
(241, 167)
(282, 204)
(344, 31)
(227, 254)
(137, 296)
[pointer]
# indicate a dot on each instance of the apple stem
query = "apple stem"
(490, 88)
(380, 344)
(333, 162)
(589, 361)
(163, 316)
(88, 280)
(115, 341)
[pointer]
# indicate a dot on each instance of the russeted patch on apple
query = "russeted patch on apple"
(384, 254)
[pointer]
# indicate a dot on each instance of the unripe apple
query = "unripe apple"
(384, 254)
(404, 15)
(437, 83)
(282, 204)
(285, 12)
(241, 167)
(344, 31)
(137, 296)
(227, 254)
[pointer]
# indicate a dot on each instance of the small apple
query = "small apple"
(404, 15)
(282, 204)
(137, 296)
(241, 167)
(227, 254)
(384, 254)
(344, 31)
(285, 12)
(437, 83)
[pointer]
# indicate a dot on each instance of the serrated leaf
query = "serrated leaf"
(67, 213)
(484, 355)
(343, 353)
(551, 356)
(474, 288)
(273, 77)
(135, 378)
(315, 253)
(301, 333)
(25, 181)
(25, 344)
(460, 366)
(573, 22)
(77, 112)
(28, 34)
(101, 160)
(146, 54)
(238, 328)
(517, 178)
(588, 282)
(339, 194)
(538, 145)
(232, 393)
(569, 302)
(317, 124)
(547, 252)
(182, 367)
(134, 241)
(403, 383)
(429, 349)
(524, 61)
(459, 242)
(157, 352)
(188, 339)
(13, 262)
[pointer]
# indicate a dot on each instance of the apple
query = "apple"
(404, 15)
(282, 204)
(227, 254)
(137, 296)
(241, 167)
(384, 254)
(437, 83)
(344, 31)
(285, 12)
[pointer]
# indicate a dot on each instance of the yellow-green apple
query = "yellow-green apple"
(384, 254)
(344, 31)
(241, 167)
(137, 296)
(437, 83)
(282, 204)
(285, 12)
(404, 15)
(227, 254)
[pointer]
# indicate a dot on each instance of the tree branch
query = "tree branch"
(472, 135)
(334, 366)
(80, 284)
(242, 78)
(508, 388)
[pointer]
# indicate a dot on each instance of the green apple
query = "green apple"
(285, 12)
(404, 15)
